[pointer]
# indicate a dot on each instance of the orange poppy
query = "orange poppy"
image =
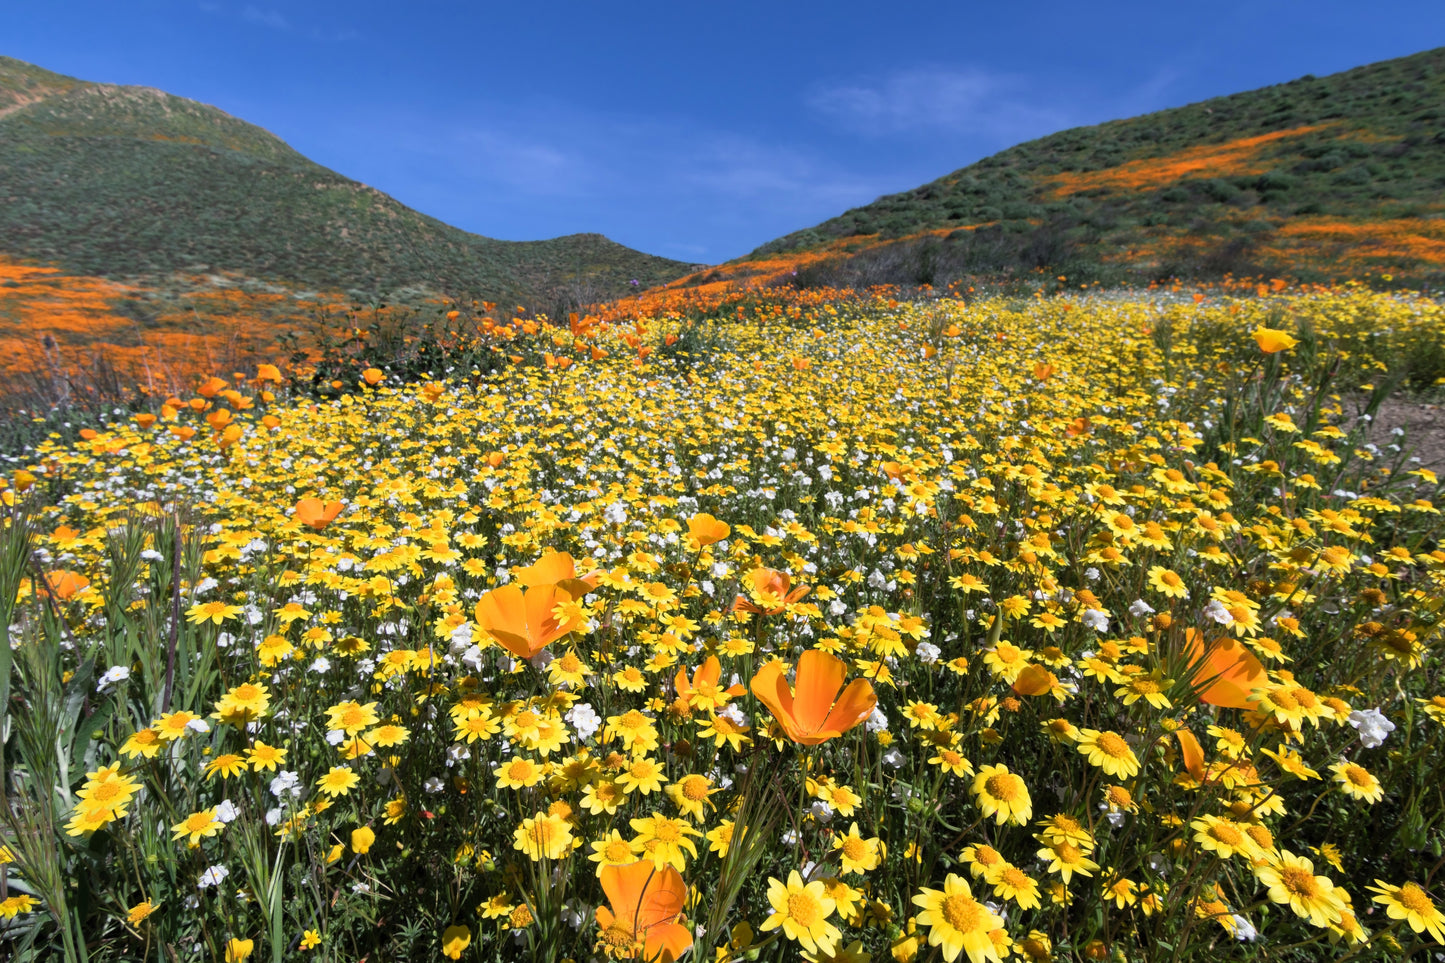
(316, 513)
(1273, 340)
(559, 569)
(707, 675)
(1192, 752)
(817, 712)
(268, 372)
(1035, 680)
(523, 623)
(212, 387)
(372, 376)
(65, 584)
(773, 589)
(703, 530)
(1227, 670)
(646, 902)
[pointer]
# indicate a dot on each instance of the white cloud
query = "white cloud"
(265, 18)
(937, 99)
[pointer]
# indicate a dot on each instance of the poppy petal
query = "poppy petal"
(820, 676)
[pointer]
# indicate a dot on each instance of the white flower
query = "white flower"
(877, 721)
(227, 812)
(893, 758)
(584, 720)
(822, 812)
(201, 725)
(1095, 620)
(322, 664)
(212, 877)
(113, 675)
(927, 653)
(335, 737)
(1372, 726)
(733, 714)
(1141, 608)
(434, 785)
(1216, 611)
(1244, 930)
(286, 783)
(790, 838)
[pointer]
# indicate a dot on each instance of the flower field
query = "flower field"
(1062, 628)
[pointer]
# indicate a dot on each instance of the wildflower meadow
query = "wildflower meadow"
(1088, 626)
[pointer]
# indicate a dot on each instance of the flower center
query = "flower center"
(1300, 882)
(665, 831)
(962, 913)
(106, 791)
(1226, 834)
(1113, 744)
(1002, 787)
(1414, 899)
(854, 849)
(803, 909)
(694, 788)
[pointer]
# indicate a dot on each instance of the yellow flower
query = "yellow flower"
(602, 796)
(1168, 582)
(1002, 795)
(351, 717)
(663, 839)
(1413, 905)
(139, 912)
(858, 855)
(612, 850)
(227, 764)
(198, 825)
(958, 922)
(214, 612)
(1109, 752)
(642, 776)
(237, 951)
(361, 840)
(143, 742)
(455, 939)
(1224, 836)
(519, 772)
(543, 836)
(339, 781)
(691, 794)
(1066, 859)
(802, 910)
(310, 939)
(262, 756)
(244, 703)
(1292, 882)
(1357, 782)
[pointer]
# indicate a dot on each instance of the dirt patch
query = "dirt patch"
(1424, 426)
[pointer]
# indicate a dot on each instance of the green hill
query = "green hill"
(131, 182)
(1321, 177)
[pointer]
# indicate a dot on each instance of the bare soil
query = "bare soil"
(1424, 425)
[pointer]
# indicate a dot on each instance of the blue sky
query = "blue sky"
(694, 131)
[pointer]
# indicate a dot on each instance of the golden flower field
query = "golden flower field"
(1080, 627)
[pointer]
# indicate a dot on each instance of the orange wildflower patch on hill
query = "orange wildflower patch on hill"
(1398, 242)
(1239, 156)
(64, 327)
(712, 287)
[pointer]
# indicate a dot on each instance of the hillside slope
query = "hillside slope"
(1320, 177)
(131, 182)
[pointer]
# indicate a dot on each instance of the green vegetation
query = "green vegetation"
(1182, 192)
(131, 182)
